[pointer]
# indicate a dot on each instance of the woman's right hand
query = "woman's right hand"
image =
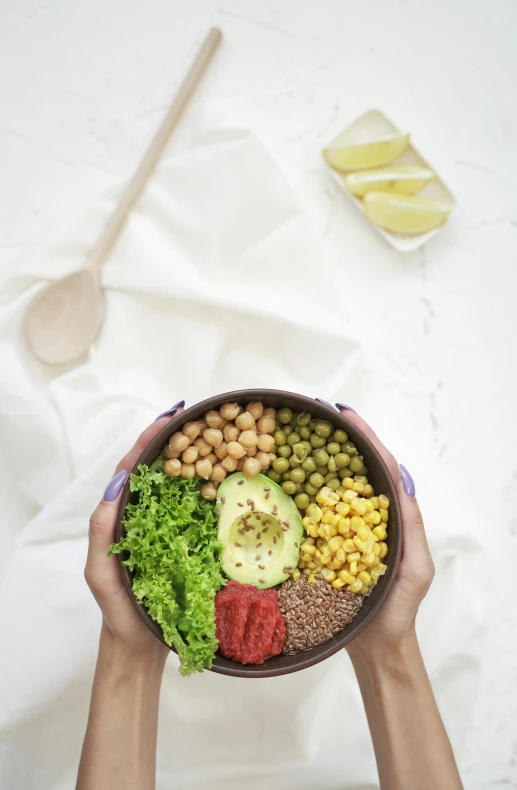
(395, 620)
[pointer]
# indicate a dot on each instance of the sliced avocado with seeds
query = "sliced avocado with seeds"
(260, 528)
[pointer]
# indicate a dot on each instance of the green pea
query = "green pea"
(289, 487)
(346, 472)
(304, 431)
(321, 457)
(303, 418)
(331, 466)
(293, 438)
(293, 422)
(294, 462)
(299, 488)
(310, 489)
(356, 464)
(333, 448)
(313, 424)
(323, 429)
(317, 441)
(342, 460)
(279, 437)
(284, 416)
(286, 475)
(301, 501)
(334, 484)
(340, 436)
(284, 451)
(349, 447)
(316, 480)
(287, 430)
(298, 476)
(322, 470)
(309, 465)
(274, 476)
(331, 476)
(280, 465)
(300, 451)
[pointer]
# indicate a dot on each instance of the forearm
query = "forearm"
(119, 748)
(411, 745)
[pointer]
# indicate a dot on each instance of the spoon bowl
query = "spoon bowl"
(64, 319)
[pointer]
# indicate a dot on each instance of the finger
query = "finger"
(101, 572)
(145, 437)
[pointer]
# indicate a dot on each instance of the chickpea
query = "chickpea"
(209, 491)
(248, 439)
(229, 411)
(218, 473)
(251, 451)
(265, 442)
(203, 447)
(272, 457)
(192, 430)
(245, 421)
(179, 442)
(229, 463)
(231, 433)
(212, 458)
(222, 451)
(264, 459)
(188, 470)
(204, 468)
(271, 412)
(213, 436)
(251, 467)
(266, 424)
(256, 409)
(236, 450)
(168, 453)
(240, 464)
(213, 419)
(189, 456)
(172, 467)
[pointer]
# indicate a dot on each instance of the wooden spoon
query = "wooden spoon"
(64, 319)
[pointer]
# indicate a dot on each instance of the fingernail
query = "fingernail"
(407, 480)
(344, 406)
(115, 486)
(172, 411)
(325, 402)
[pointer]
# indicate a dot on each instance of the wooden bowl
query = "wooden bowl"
(378, 476)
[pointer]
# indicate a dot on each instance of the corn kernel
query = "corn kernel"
(325, 519)
(355, 555)
(348, 482)
(380, 532)
(326, 552)
(334, 498)
(338, 583)
(328, 575)
(314, 512)
(321, 495)
(321, 532)
(359, 487)
(364, 590)
(307, 572)
(301, 564)
(361, 566)
(376, 549)
(368, 490)
(384, 514)
(369, 507)
(296, 574)
(352, 567)
(312, 565)
(360, 479)
(335, 542)
(356, 587)
(313, 531)
(358, 543)
(370, 560)
(312, 578)
(340, 555)
(383, 550)
(344, 526)
(330, 530)
(347, 578)
(335, 565)
(336, 518)
(384, 501)
(348, 496)
(375, 501)
(348, 545)
(376, 517)
(342, 508)
(360, 506)
(383, 568)
(375, 573)
(363, 533)
(308, 548)
(356, 522)
(365, 577)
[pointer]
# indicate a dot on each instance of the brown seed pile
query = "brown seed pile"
(314, 613)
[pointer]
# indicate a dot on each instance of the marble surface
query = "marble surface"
(83, 86)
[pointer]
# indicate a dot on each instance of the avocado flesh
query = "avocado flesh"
(260, 529)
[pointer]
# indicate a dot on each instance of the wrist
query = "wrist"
(397, 657)
(123, 660)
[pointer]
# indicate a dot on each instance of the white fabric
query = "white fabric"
(222, 279)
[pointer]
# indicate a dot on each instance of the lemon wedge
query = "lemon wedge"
(407, 179)
(405, 213)
(359, 156)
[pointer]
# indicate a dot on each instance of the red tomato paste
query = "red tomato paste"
(249, 624)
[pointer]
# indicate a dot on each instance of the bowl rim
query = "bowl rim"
(315, 655)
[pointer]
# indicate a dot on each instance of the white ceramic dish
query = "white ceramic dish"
(374, 124)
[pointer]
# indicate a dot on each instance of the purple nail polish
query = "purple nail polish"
(407, 480)
(115, 486)
(172, 411)
(325, 402)
(344, 406)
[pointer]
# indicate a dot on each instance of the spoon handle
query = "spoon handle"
(134, 189)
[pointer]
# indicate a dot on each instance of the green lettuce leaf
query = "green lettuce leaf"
(171, 538)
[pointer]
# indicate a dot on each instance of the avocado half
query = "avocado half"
(260, 529)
